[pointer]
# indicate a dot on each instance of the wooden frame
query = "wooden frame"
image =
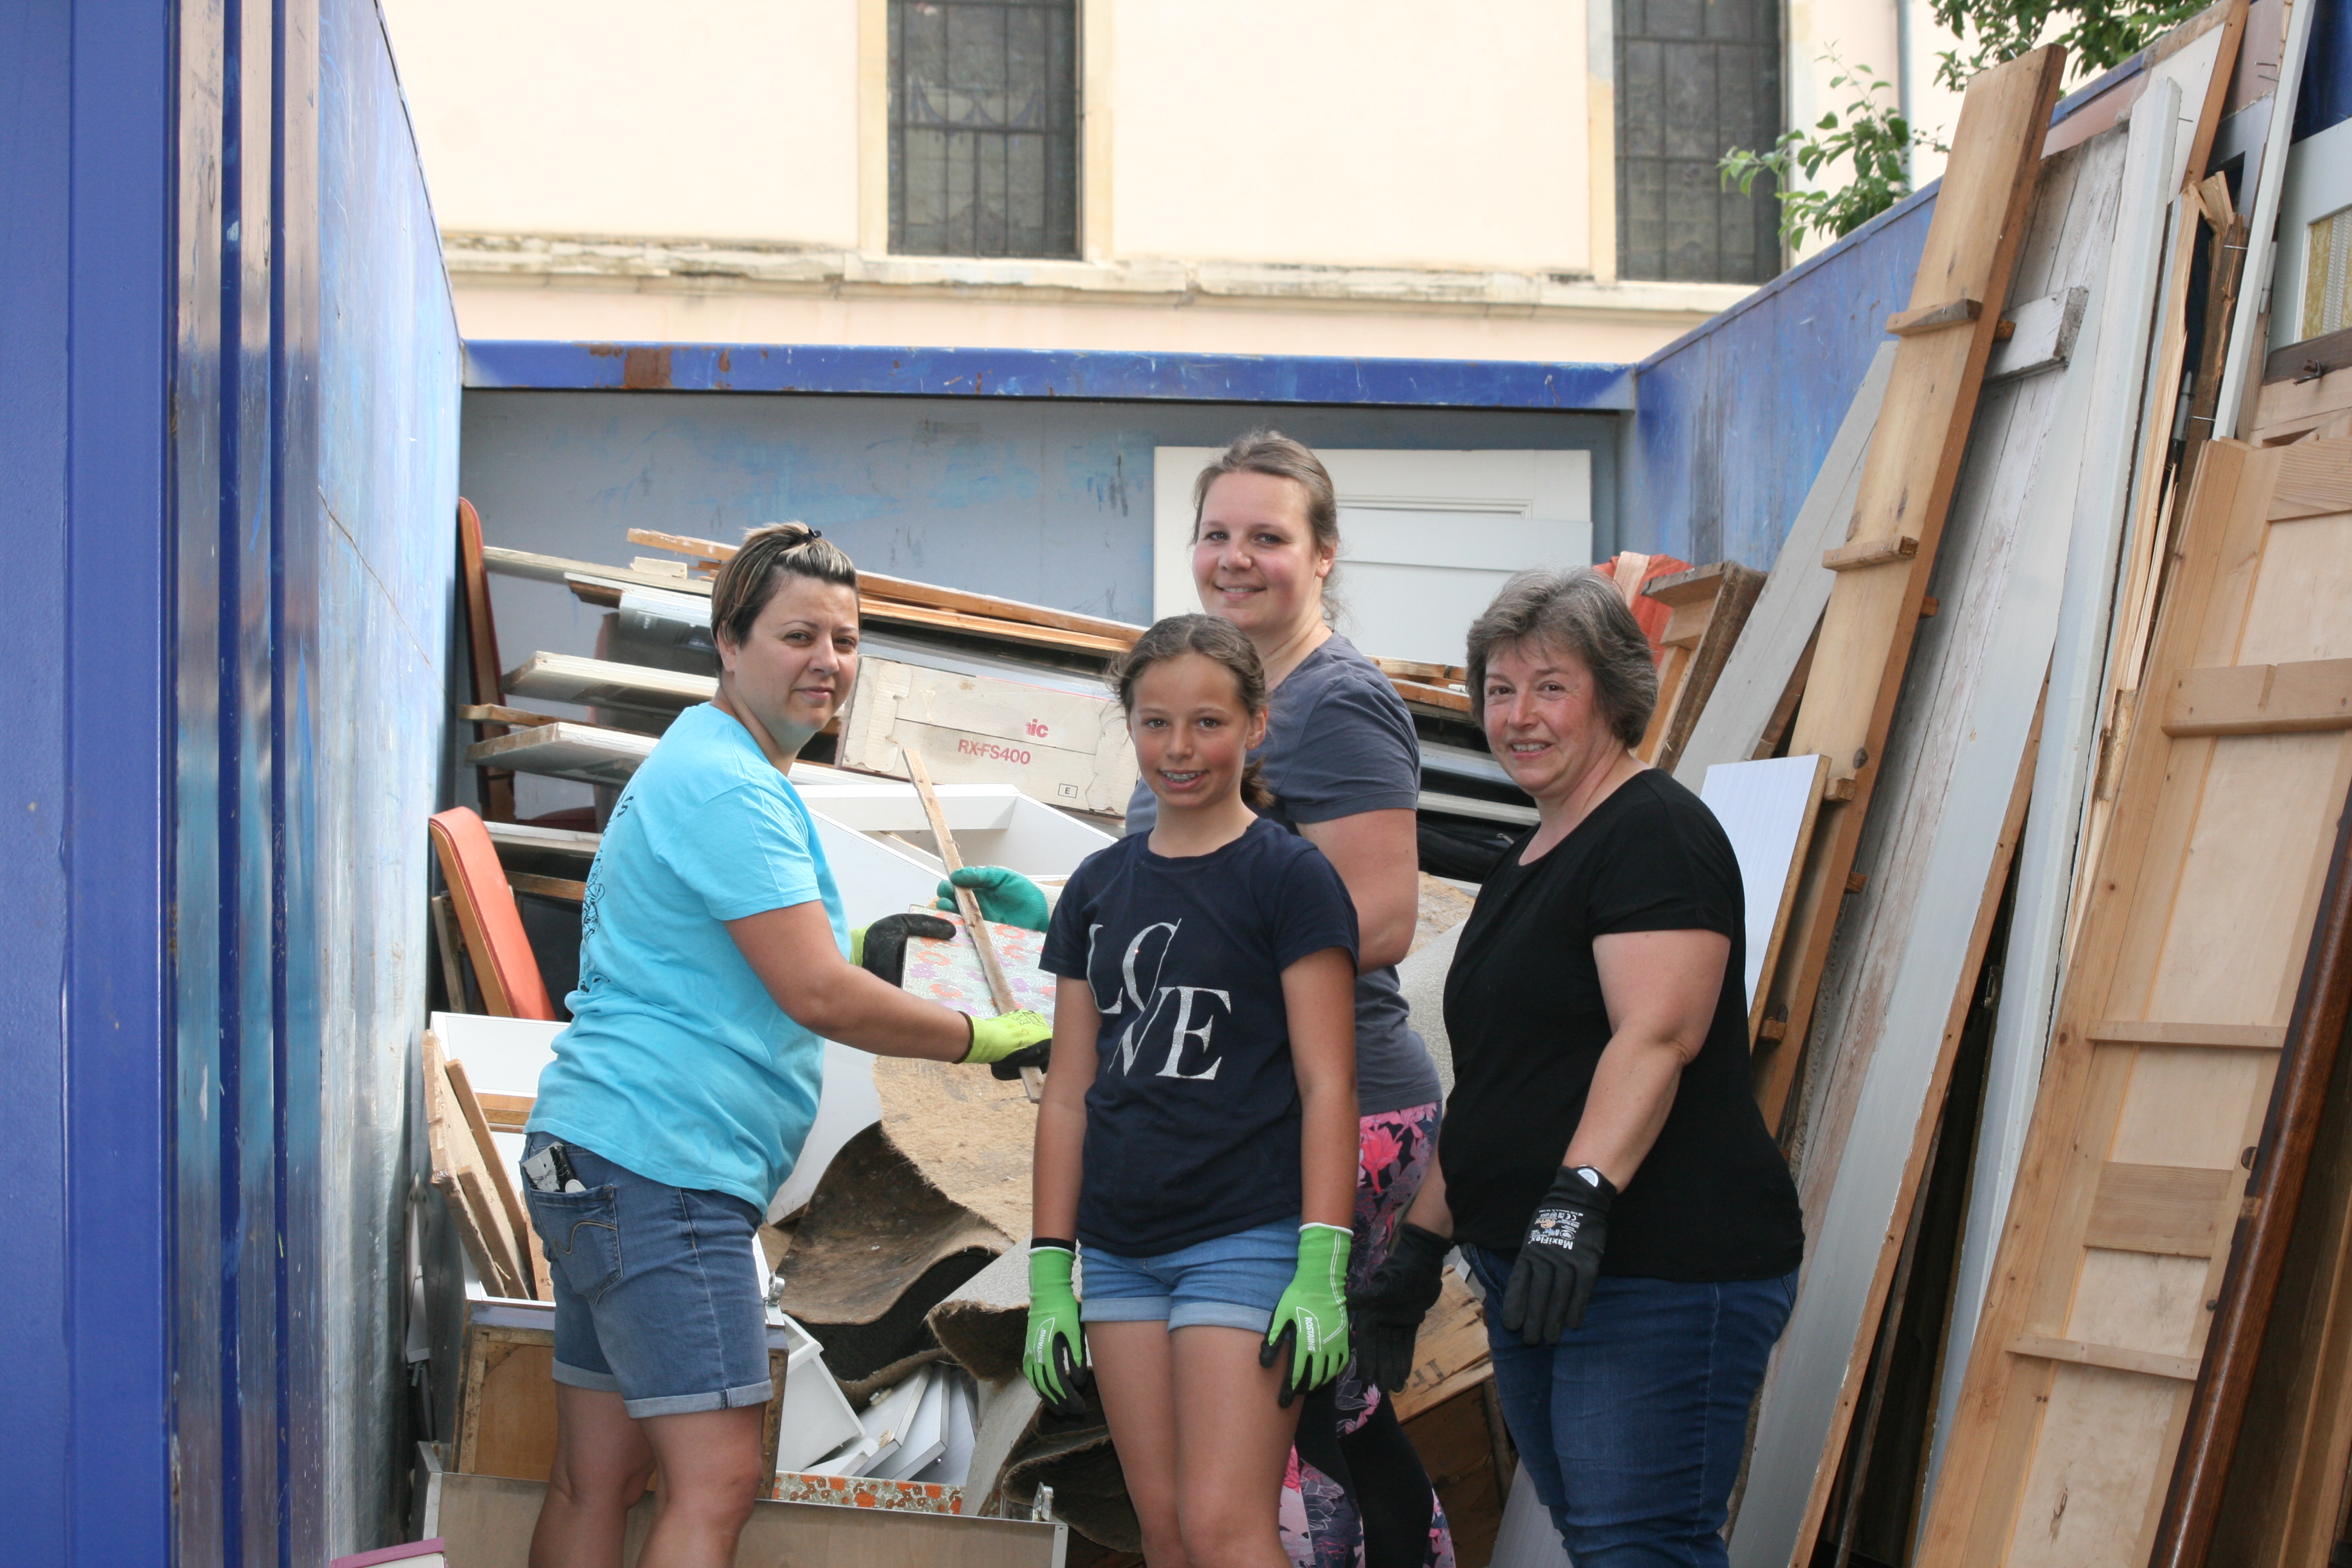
(1908, 478)
(2160, 1065)
(1709, 605)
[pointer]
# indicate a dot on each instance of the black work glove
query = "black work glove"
(1561, 1259)
(884, 951)
(1007, 1069)
(1387, 1308)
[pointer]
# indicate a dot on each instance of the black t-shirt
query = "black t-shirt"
(1193, 1121)
(1713, 1200)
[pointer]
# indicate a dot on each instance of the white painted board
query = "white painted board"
(502, 1056)
(1527, 1538)
(1763, 806)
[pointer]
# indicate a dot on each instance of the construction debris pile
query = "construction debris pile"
(2034, 746)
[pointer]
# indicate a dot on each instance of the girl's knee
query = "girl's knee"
(1217, 1533)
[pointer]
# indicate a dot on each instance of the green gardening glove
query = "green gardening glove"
(1054, 1353)
(1313, 1314)
(994, 1039)
(1006, 898)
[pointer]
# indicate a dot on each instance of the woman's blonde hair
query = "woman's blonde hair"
(775, 550)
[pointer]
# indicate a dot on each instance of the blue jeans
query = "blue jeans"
(656, 1295)
(1632, 1426)
(1228, 1281)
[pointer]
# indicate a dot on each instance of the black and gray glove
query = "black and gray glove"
(880, 949)
(1561, 1260)
(1387, 1308)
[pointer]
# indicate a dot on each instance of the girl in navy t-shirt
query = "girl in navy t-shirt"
(1197, 1133)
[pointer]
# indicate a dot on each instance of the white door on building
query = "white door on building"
(1426, 538)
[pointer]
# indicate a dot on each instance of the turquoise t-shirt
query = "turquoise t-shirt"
(678, 1064)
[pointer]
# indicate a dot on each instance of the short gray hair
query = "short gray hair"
(1579, 612)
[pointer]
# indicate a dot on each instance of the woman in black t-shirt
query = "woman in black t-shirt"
(1602, 1163)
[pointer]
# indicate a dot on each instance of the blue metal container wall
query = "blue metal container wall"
(388, 493)
(1731, 421)
(230, 422)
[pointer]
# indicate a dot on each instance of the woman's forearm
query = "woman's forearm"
(1430, 1210)
(794, 953)
(1633, 1087)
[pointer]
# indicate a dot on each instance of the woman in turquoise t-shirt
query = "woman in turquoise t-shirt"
(713, 965)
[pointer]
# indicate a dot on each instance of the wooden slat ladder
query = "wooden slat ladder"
(1889, 552)
(2167, 1036)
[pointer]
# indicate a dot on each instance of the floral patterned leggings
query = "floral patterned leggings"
(1322, 1526)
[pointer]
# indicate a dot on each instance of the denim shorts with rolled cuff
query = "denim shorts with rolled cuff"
(656, 1295)
(1231, 1282)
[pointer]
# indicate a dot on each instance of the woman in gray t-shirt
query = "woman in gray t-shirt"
(1345, 768)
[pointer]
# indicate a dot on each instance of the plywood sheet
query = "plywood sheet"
(588, 752)
(2201, 915)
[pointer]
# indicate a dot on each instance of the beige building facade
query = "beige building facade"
(1341, 177)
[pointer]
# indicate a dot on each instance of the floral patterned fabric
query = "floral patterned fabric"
(1319, 1524)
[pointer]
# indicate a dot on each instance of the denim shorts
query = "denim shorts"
(1231, 1282)
(656, 1294)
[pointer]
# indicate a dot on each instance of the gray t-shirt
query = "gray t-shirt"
(1339, 742)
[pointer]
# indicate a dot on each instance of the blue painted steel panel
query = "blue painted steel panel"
(1733, 419)
(169, 1326)
(1027, 372)
(2325, 97)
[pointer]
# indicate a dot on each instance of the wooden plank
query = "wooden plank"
(2217, 1036)
(1780, 629)
(507, 1113)
(2165, 1209)
(458, 1172)
(2261, 699)
(2191, 1521)
(2044, 339)
(905, 590)
(1710, 603)
(566, 888)
(984, 942)
(482, 649)
(2047, 1347)
(1952, 770)
(2066, 762)
(589, 753)
(2176, 930)
(1870, 552)
(534, 1265)
(602, 683)
(2244, 363)
(488, 1522)
(498, 713)
(1961, 312)
(1913, 462)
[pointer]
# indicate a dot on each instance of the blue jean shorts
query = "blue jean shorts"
(1231, 1282)
(656, 1295)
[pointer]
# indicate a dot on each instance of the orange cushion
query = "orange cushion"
(503, 961)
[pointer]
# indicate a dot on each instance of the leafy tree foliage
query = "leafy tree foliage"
(1872, 134)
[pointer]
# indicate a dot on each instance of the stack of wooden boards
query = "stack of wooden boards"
(2035, 743)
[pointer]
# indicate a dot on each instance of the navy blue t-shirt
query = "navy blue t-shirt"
(1192, 1120)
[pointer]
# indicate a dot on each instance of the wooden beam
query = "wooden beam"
(1961, 312)
(2261, 699)
(1870, 552)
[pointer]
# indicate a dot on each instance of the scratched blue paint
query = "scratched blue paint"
(1732, 420)
(1044, 499)
(1037, 373)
